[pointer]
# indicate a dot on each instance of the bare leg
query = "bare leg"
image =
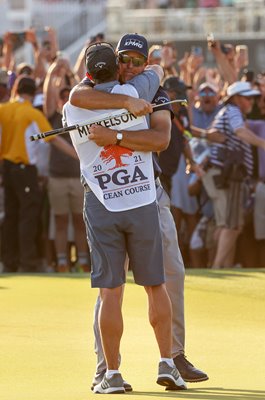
(111, 324)
(61, 229)
(80, 233)
(226, 244)
(160, 317)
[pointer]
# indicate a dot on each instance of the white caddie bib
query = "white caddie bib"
(121, 178)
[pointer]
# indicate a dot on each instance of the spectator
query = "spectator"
(203, 113)
(236, 151)
(20, 178)
(65, 190)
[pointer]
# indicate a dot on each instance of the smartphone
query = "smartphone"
(18, 38)
(242, 52)
(196, 50)
(210, 39)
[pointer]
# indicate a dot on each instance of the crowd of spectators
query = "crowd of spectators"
(164, 4)
(60, 238)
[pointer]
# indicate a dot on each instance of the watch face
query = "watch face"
(119, 136)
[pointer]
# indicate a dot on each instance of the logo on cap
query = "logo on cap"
(100, 65)
(134, 42)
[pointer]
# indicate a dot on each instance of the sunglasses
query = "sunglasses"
(208, 94)
(136, 61)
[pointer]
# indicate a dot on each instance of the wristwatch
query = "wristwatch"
(119, 137)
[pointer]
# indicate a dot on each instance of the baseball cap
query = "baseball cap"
(241, 88)
(208, 85)
(177, 85)
(24, 68)
(100, 57)
(133, 42)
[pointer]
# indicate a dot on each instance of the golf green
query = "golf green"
(46, 337)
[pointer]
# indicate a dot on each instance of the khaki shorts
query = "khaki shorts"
(66, 195)
(218, 196)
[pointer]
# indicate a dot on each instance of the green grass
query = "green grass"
(46, 337)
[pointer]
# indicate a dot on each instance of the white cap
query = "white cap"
(208, 85)
(241, 88)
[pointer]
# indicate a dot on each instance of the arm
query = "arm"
(226, 68)
(50, 91)
(84, 96)
(154, 139)
(248, 136)
(194, 166)
(8, 56)
(79, 67)
(209, 134)
(64, 146)
(39, 70)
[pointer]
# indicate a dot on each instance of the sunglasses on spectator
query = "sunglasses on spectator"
(208, 94)
(136, 61)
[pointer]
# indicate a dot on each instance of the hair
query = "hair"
(26, 85)
(104, 76)
(63, 90)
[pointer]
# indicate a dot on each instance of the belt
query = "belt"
(88, 189)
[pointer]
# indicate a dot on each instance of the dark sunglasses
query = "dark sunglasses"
(136, 61)
(208, 94)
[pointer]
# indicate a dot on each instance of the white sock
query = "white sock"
(169, 361)
(61, 259)
(83, 258)
(111, 372)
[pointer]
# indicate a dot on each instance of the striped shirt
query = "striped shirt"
(227, 121)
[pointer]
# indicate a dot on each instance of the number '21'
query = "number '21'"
(137, 158)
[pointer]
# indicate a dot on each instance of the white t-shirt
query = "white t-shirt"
(122, 179)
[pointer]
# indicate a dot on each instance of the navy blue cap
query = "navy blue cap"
(177, 85)
(133, 42)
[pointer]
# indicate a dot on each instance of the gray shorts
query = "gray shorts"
(112, 235)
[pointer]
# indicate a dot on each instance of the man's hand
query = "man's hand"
(138, 107)
(198, 170)
(102, 136)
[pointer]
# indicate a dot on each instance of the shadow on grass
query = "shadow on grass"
(225, 273)
(214, 393)
(204, 273)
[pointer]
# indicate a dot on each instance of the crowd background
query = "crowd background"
(203, 86)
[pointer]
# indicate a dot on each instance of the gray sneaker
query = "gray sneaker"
(111, 385)
(98, 378)
(170, 377)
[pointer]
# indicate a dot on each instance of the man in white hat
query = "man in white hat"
(230, 163)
